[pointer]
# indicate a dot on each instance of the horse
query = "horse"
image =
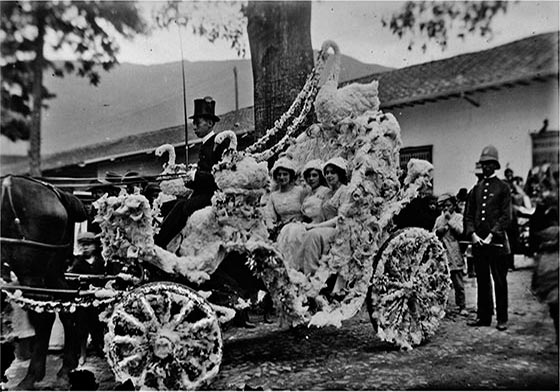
(37, 222)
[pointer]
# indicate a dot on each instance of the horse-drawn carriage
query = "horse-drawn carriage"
(166, 334)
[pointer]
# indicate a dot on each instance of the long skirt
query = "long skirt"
(289, 243)
(316, 242)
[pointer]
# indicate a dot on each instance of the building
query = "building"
(448, 111)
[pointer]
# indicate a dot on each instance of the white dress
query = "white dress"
(316, 242)
(291, 236)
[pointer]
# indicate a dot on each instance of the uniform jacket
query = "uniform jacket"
(489, 210)
(210, 154)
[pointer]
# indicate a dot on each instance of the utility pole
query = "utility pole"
(184, 96)
(236, 89)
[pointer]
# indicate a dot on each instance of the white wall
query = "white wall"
(458, 130)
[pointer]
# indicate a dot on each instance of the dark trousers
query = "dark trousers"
(489, 261)
(177, 218)
(88, 324)
(470, 267)
(458, 287)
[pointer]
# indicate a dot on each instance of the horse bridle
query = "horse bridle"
(7, 186)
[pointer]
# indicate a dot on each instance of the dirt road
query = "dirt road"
(459, 358)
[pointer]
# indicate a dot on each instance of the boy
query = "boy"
(89, 262)
(448, 228)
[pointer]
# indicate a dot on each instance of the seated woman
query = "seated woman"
(316, 240)
(290, 237)
(284, 204)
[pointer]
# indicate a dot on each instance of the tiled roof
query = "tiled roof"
(240, 121)
(518, 61)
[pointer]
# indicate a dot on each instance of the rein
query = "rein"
(7, 187)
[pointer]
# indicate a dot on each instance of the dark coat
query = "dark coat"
(81, 266)
(209, 155)
(203, 186)
(417, 214)
(489, 210)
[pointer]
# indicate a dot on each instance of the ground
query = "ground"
(459, 357)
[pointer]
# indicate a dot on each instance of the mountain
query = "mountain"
(133, 99)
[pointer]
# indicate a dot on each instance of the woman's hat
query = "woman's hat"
(337, 162)
(284, 163)
(314, 164)
(204, 108)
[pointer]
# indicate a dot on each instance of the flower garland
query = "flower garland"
(43, 306)
(306, 96)
(289, 136)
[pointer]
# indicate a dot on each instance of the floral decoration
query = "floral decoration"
(304, 100)
(45, 306)
(410, 288)
(126, 227)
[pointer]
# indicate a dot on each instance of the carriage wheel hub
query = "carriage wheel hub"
(164, 344)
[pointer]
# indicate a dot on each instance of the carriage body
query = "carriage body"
(402, 276)
(166, 335)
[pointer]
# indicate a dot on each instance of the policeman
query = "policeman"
(487, 216)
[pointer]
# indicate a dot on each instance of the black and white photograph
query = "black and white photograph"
(279, 195)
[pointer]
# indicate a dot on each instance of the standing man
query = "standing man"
(202, 184)
(487, 217)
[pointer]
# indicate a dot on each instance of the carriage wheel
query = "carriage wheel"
(164, 336)
(406, 300)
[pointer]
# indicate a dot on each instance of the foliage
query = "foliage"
(85, 29)
(436, 20)
(215, 20)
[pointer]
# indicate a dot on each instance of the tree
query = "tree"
(87, 29)
(281, 56)
(435, 20)
(279, 35)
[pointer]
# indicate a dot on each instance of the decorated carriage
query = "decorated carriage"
(166, 334)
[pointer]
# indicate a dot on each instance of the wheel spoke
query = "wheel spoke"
(161, 307)
(128, 324)
(133, 364)
(152, 317)
(185, 309)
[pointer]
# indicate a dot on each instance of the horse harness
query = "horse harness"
(7, 187)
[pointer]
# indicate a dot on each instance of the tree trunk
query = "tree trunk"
(281, 56)
(35, 131)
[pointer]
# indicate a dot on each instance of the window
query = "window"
(418, 152)
(545, 148)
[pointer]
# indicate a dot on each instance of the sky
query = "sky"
(356, 27)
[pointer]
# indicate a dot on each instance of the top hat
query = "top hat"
(205, 107)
